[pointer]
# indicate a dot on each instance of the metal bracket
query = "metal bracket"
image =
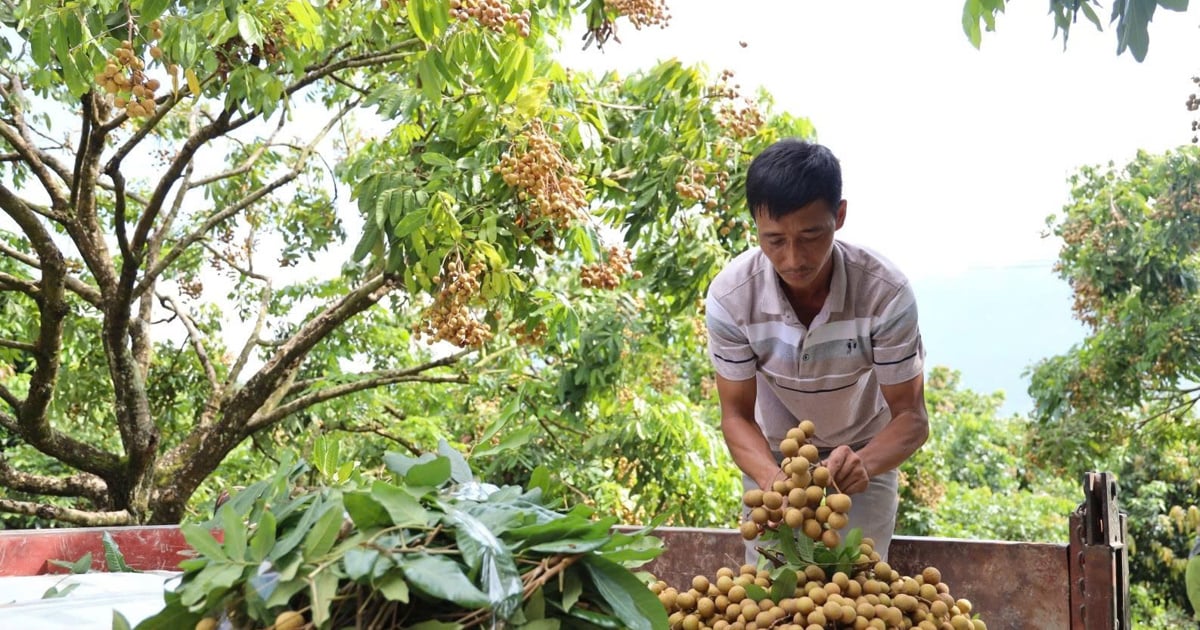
(1099, 558)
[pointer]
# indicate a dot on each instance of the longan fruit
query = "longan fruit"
(821, 476)
(839, 503)
(289, 620)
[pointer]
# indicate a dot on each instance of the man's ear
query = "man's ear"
(841, 215)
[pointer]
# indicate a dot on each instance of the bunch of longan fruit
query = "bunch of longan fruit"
(491, 14)
(642, 13)
(608, 275)
(544, 178)
(800, 498)
(449, 317)
(871, 596)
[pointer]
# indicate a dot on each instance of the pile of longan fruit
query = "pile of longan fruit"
(871, 596)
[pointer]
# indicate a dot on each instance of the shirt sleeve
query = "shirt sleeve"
(898, 353)
(728, 347)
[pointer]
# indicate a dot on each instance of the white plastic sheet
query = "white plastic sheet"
(89, 606)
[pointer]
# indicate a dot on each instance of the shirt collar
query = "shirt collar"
(774, 301)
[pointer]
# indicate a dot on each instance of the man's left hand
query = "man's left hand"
(847, 470)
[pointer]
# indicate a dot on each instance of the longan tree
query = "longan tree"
(182, 276)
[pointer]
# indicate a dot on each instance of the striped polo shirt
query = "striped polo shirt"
(866, 335)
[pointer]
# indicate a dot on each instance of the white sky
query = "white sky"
(952, 157)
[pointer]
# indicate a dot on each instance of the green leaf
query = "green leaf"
(326, 455)
(432, 473)
(322, 591)
(55, 593)
(490, 560)
(410, 223)
(152, 10)
(366, 511)
(321, 538)
(403, 508)
(630, 600)
(436, 159)
(460, 471)
(535, 607)
(263, 538)
(202, 540)
(359, 563)
(113, 558)
(394, 587)
(420, 21)
(173, 616)
(234, 530)
(82, 565)
(784, 585)
(441, 577)
(572, 589)
(756, 592)
(119, 622)
(1171, 5)
(249, 29)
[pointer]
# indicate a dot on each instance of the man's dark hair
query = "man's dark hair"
(791, 174)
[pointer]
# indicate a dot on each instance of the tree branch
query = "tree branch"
(316, 73)
(195, 338)
(17, 345)
(87, 292)
(378, 380)
(250, 199)
(253, 339)
(12, 283)
(7, 421)
(33, 424)
(81, 485)
(198, 139)
(21, 142)
(246, 165)
(68, 515)
(377, 429)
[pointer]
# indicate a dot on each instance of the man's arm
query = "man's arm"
(907, 431)
(745, 440)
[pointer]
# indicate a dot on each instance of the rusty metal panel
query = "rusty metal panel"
(993, 575)
(1010, 584)
(1099, 595)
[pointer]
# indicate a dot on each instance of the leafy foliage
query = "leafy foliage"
(1132, 19)
(1130, 239)
(970, 479)
(548, 229)
(425, 546)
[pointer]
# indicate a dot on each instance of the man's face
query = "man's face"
(800, 244)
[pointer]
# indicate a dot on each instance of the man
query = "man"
(808, 327)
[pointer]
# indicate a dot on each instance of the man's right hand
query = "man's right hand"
(847, 470)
